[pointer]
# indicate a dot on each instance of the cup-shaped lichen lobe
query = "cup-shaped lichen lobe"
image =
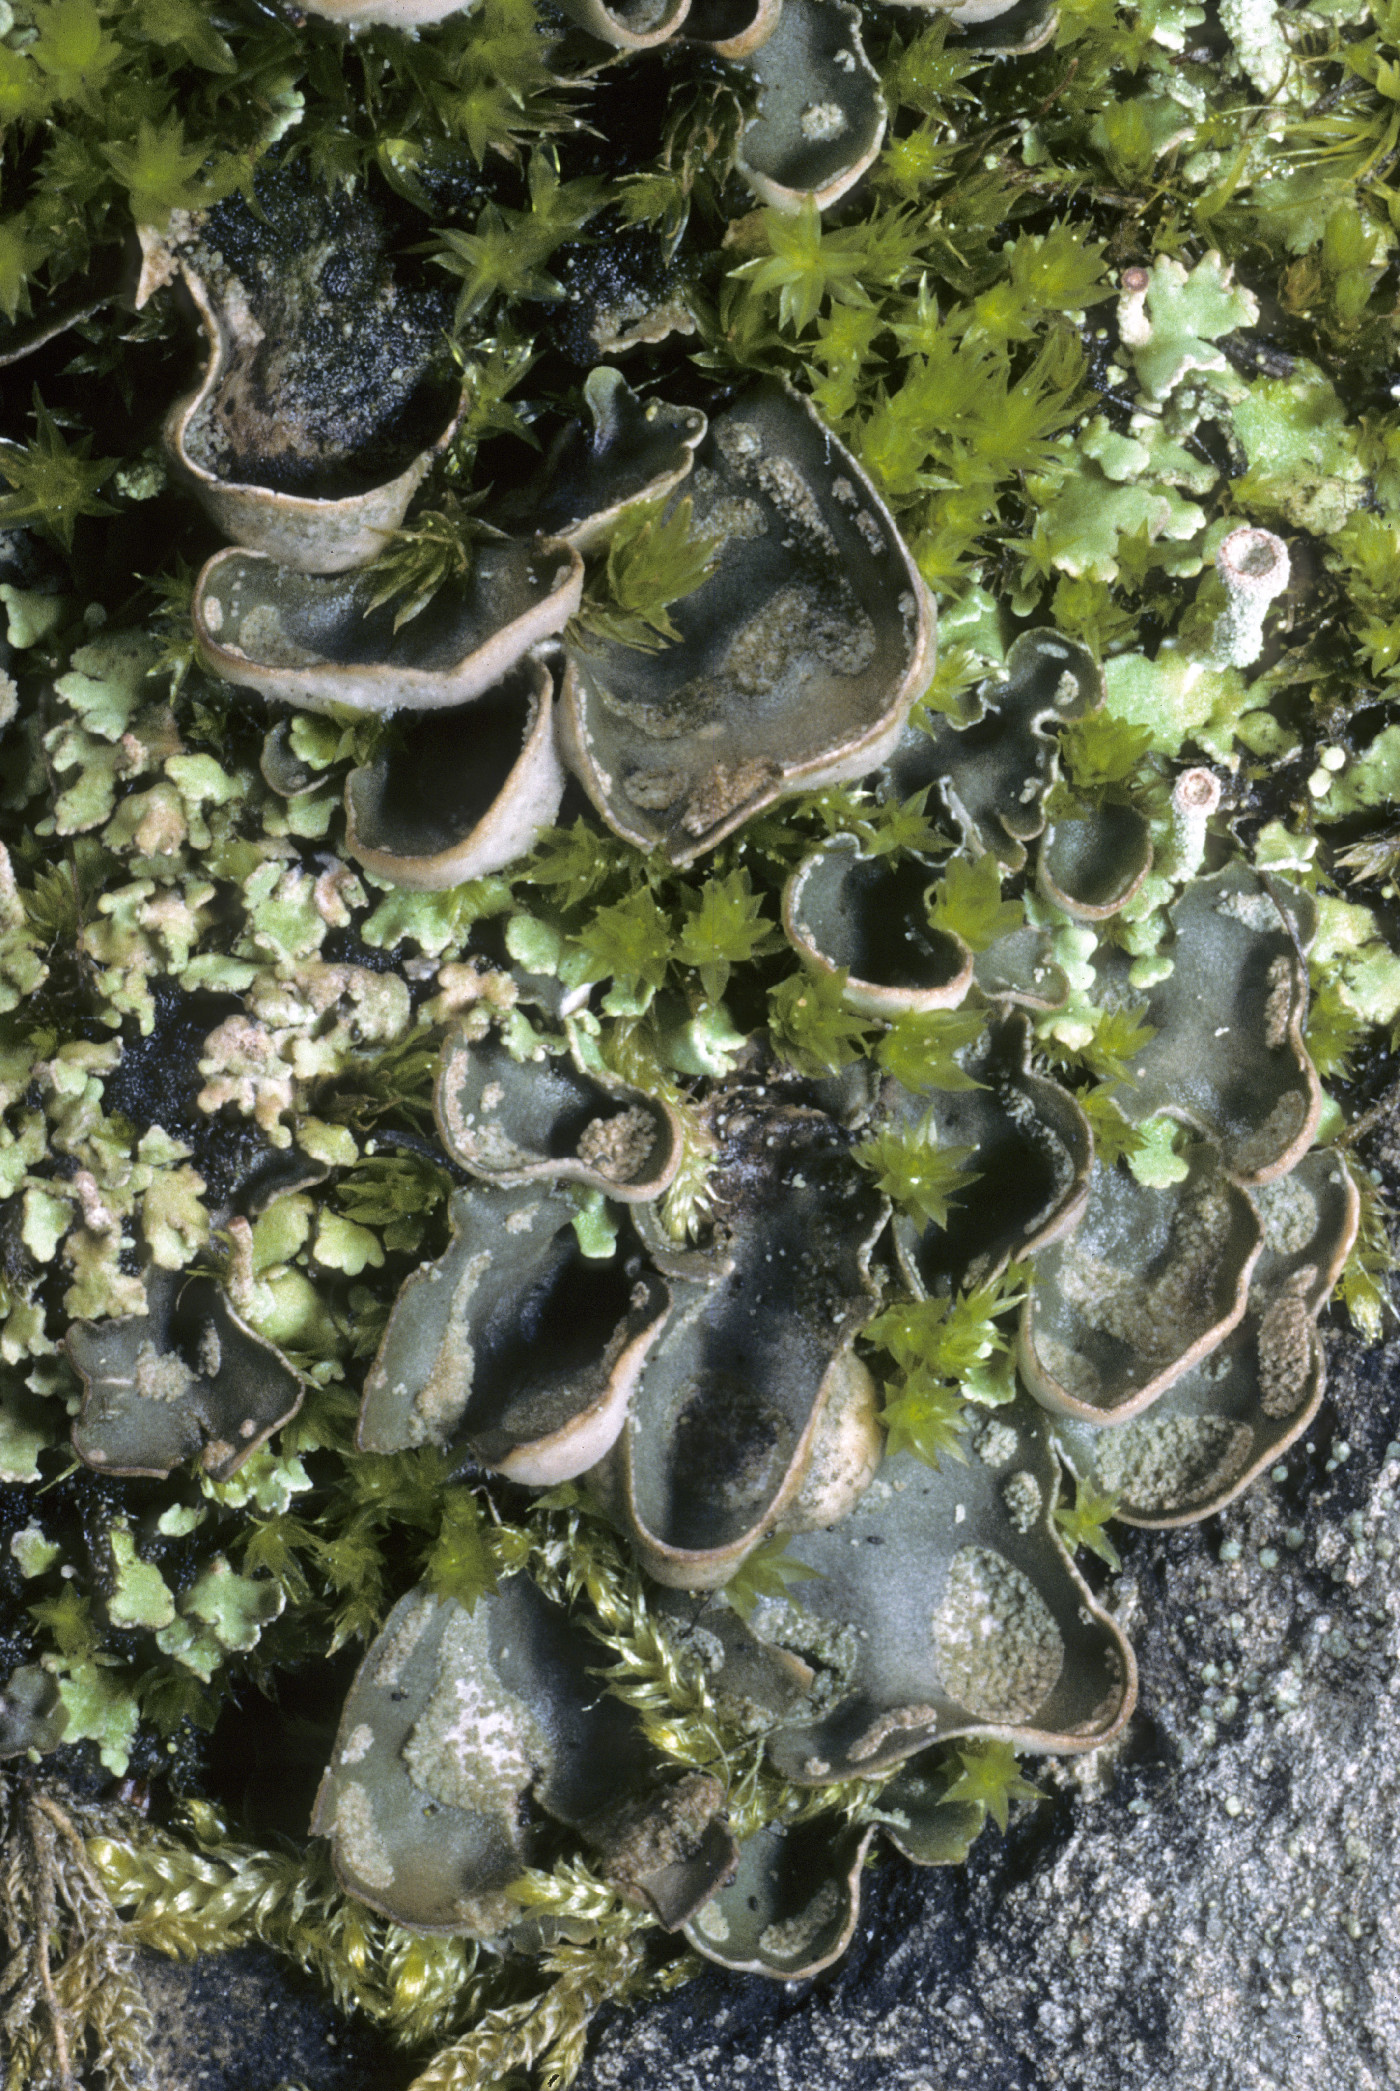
(732, 28)
(729, 1405)
(1031, 1153)
(348, 374)
(797, 660)
(956, 1612)
(319, 640)
(513, 1344)
(552, 1120)
(143, 1410)
(992, 770)
(630, 25)
(1150, 1282)
(459, 794)
(637, 449)
(435, 1852)
(1212, 1432)
(327, 389)
(791, 1908)
(869, 917)
(460, 1728)
(821, 114)
(187, 1377)
(1228, 1052)
(1093, 865)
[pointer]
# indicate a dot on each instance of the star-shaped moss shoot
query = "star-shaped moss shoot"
(53, 484)
(991, 1779)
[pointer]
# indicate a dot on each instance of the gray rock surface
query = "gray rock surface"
(1213, 1907)
(246, 2021)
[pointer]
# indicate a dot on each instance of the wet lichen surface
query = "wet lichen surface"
(696, 964)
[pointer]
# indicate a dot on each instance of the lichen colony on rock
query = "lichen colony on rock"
(605, 1156)
(1168, 1328)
